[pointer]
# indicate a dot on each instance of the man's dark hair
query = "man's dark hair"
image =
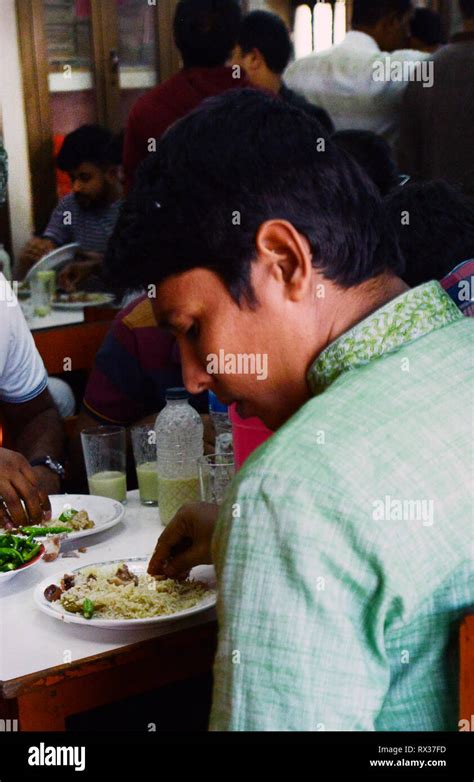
(368, 12)
(89, 144)
(268, 33)
(205, 31)
(467, 8)
(440, 230)
(373, 154)
(240, 159)
(427, 26)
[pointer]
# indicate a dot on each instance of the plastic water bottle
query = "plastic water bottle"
(222, 425)
(5, 263)
(179, 444)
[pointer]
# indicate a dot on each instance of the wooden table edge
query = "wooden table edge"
(12, 688)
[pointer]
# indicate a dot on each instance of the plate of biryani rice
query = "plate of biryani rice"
(119, 594)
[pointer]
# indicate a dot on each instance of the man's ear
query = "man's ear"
(254, 60)
(287, 256)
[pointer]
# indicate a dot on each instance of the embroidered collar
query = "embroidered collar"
(410, 316)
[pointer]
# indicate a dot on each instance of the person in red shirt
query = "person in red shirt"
(205, 32)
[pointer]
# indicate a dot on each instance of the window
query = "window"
(319, 26)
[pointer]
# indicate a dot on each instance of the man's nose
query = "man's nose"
(195, 377)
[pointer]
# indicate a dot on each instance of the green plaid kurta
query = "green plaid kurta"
(344, 554)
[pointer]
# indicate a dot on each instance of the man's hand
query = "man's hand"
(36, 248)
(186, 541)
(47, 479)
(31, 253)
(73, 275)
(19, 481)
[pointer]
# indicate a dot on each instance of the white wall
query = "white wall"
(14, 127)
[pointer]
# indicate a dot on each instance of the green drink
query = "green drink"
(43, 288)
(109, 483)
(174, 492)
(48, 280)
(148, 483)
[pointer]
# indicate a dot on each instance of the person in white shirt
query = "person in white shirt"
(357, 81)
(30, 472)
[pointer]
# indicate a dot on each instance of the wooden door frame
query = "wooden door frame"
(33, 55)
(168, 54)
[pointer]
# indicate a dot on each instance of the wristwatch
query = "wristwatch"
(51, 464)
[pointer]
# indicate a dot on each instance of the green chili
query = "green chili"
(11, 554)
(42, 531)
(87, 608)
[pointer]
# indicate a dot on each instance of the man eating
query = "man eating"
(342, 550)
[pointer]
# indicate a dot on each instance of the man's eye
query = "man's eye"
(193, 331)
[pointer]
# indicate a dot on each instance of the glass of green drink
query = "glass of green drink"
(104, 450)
(43, 289)
(144, 452)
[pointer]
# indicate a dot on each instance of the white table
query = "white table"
(39, 653)
(55, 319)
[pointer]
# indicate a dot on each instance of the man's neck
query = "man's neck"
(269, 81)
(351, 307)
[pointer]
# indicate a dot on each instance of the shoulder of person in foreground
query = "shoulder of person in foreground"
(317, 570)
(22, 372)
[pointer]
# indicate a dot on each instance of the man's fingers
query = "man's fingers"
(37, 502)
(171, 536)
(183, 563)
(13, 506)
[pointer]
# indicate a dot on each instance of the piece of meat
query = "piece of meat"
(52, 546)
(124, 576)
(52, 593)
(67, 582)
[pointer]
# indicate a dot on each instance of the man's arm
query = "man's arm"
(301, 614)
(36, 431)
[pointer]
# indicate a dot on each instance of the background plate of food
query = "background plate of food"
(119, 594)
(77, 516)
(81, 299)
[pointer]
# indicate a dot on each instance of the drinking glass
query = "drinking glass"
(104, 450)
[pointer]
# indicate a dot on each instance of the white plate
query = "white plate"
(104, 512)
(10, 574)
(53, 259)
(137, 565)
(106, 298)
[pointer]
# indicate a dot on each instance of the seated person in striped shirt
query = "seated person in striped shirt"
(135, 365)
(92, 158)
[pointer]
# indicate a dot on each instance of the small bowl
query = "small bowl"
(10, 573)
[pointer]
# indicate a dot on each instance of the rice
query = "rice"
(141, 598)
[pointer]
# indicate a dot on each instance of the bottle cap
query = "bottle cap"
(214, 405)
(176, 393)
